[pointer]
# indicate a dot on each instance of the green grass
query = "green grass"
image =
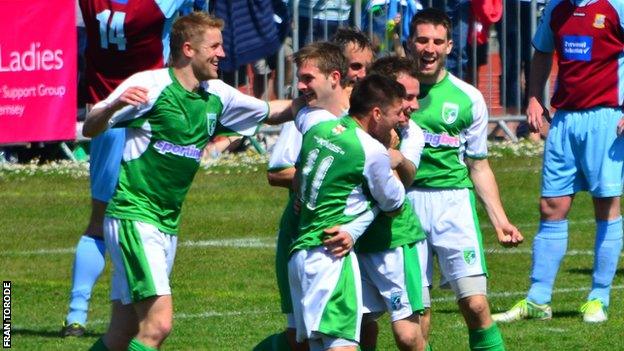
(225, 296)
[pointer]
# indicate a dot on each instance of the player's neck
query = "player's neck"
(186, 78)
(339, 104)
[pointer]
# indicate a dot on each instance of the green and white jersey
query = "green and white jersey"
(343, 170)
(384, 232)
(453, 117)
(165, 138)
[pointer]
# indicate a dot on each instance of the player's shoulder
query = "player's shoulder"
(468, 89)
(370, 145)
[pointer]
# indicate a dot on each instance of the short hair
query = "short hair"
(328, 57)
(190, 28)
(345, 36)
(393, 66)
(431, 16)
(372, 91)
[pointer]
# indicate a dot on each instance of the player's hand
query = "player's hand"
(620, 127)
(338, 242)
(508, 235)
(396, 158)
(536, 112)
(134, 96)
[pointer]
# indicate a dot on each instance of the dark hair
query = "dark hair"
(373, 91)
(431, 16)
(393, 66)
(345, 36)
(328, 57)
(190, 28)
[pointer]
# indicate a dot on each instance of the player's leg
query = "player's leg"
(483, 333)
(122, 328)
(106, 152)
(560, 181)
(142, 258)
(327, 296)
(604, 166)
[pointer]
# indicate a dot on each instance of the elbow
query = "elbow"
(88, 131)
(271, 179)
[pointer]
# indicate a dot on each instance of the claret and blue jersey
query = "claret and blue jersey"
(588, 36)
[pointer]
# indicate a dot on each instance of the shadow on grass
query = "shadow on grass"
(47, 333)
(589, 271)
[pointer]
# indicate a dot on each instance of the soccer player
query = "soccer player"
(358, 50)
(169, 116)
(321, 71)
(584, 150)
(123, 38)
(386, 252)
(454, 166)
(343, 169)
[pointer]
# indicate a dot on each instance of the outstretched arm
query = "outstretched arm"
(487, 190)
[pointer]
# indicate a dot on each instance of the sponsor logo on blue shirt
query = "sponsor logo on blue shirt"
(577, 47)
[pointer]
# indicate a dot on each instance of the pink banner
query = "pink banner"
(37, 70)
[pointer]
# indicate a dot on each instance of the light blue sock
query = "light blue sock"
(88, 265)
(606, 255)
(549, 247)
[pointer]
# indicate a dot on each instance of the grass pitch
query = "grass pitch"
(223, 283)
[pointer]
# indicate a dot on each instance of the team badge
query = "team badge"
(395, 300)
(470, 256)
(212, 122)
(338, 129)
(449, 112)
(599, 21)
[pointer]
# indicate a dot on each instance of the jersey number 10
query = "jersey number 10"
(112, 32)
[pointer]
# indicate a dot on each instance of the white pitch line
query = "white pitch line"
(266, 243)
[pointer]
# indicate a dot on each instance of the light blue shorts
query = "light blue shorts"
(106, 153)
(583, 153)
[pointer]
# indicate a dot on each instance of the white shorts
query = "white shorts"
(142, 259)
(391, 282)
(449, 218)
(326, 294)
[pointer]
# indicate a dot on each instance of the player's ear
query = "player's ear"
(187, 49)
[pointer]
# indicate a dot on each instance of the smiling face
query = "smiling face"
(316, 87)
(207, 53)
(430, 46)
(412, 89)
(386, 119)
(359, 59)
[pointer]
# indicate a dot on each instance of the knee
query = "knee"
(156, 330)
(554, 208)
(409, 340)
(476, 308)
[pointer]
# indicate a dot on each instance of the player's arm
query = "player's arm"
(404, 168)
(98, 118)
(282, 178)
(284, 110)
(487, 190)
(541, 65)
(341, 238)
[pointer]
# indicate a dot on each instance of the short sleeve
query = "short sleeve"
(286, 149)
(242, 114)
(476, 135)
(412, 142)
(308, 117)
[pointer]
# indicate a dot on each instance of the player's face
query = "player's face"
(316, 87)
(412, 89)
(389, 118)
(430, 47)
(359, 59)
(207, 55)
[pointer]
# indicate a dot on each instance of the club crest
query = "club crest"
(470, 256)
(599, 21)
(211, 118)
(450, 111)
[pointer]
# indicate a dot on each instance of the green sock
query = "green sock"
(99, 346)
(368, 348)
(428, 347)
(136, 345)
(486, 339)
